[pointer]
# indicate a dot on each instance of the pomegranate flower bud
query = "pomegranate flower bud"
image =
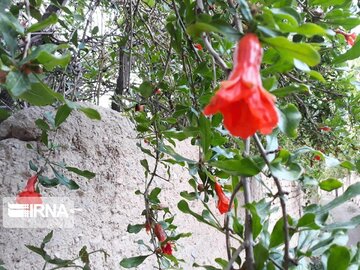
(325, 128)
(198, 46)
(223, 201)
(159, 232)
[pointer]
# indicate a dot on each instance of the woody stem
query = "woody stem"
(249, 251)
(281, 194)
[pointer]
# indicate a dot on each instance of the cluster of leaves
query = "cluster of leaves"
(66, 56)
(58, 263)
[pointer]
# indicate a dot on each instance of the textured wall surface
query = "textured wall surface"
(108, 148)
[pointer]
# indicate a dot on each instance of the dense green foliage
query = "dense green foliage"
(164, 60)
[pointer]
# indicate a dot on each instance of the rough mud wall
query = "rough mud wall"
(107, 147)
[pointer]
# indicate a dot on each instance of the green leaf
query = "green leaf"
(290, 172)
(133, 261)
(289, 120)
(261, 255)
(216, 26)
(349, 193)
(168, 150)
(178, 236)
(87, 174)
(330, 184)
(47, 238)
(37, 250)
(184, 207)
(135, 228)
(238, 228)
(348, 165)
(339, 258)
(308, 220)
(4, 114)
(288, 90)
(326, 3)
(150, 3)
(301, 51)
(153, 196)
(205, 133)
(65, 181)
(241, 167)
(32, 166)
(91, 113)
(40, 95)
(17, 83)
(145, 164)
(50, 61)
(311, 29)
(245, 10)
(84, 256)
(48, 182)
(277, 235)
(347, 22)
(52, 19)
(146, 89)
(352, 53)
(40, 123)
(190, 196)
(62, 114)
(351, 224)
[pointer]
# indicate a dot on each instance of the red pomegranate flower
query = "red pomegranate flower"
(317, 157)
(246, 106)
(159, 232)
(223, 202)
(325, 128)
(349, 37)
(198, 46)
(29, 195)
(167, 249)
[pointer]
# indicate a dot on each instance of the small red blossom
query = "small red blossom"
(317, 157)
(3, 75)
(349, 37)
(159, 232)
(246, 106)
(29, 195)
(223, 201)
(157, 91)
(198, 46)
(325, 128)
(167, 249)
(139, 108)
(147, 226)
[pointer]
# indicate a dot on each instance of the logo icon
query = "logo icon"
(53, 212)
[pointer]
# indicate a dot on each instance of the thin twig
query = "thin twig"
(216, 56)
(28, 36)
(250, 261)
(237, 18)
(227, 219)
(292, 77)
(208, 45)
(282, 203)
(234, 256)
(182, 25)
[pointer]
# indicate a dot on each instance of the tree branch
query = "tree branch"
(282, 203)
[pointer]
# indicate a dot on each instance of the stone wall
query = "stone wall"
(108, 203)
